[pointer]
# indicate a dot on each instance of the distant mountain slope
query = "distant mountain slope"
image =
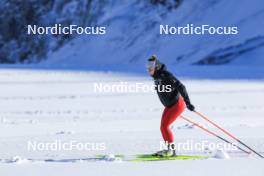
(232, 53)
(133, 35)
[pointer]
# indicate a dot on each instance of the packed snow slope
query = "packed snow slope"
(44, 106)
(133, 35)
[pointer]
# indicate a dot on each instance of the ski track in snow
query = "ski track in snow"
(38, 108)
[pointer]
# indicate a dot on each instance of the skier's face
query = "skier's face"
(151, 71)
(151, 67)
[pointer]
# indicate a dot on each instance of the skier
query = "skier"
(174, 97)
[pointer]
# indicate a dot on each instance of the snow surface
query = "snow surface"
(48, 105)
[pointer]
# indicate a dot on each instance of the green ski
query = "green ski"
(149, 157)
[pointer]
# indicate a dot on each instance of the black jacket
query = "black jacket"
(163, 78)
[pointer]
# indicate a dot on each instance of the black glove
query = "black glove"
(190, 107)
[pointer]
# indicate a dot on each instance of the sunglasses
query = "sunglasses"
(151, 65)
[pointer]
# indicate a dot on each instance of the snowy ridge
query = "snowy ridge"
(133, 35)
(227, 55)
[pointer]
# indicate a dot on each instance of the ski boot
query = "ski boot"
(170, 152)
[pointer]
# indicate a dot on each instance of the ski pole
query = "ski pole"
(229, 134)
(214, 134)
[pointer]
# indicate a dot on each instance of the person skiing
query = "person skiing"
(174, 97)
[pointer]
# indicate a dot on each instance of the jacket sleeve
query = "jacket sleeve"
(176, 84)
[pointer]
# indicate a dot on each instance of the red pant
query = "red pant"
(168, 117)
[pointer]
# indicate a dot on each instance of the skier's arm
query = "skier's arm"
(183, 92)
(182, 89)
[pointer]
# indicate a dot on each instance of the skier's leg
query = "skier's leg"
(162, 126)
(169, 117)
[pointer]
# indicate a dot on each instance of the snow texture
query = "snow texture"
(46, 105)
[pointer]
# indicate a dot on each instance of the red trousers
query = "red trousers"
(168, 117)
